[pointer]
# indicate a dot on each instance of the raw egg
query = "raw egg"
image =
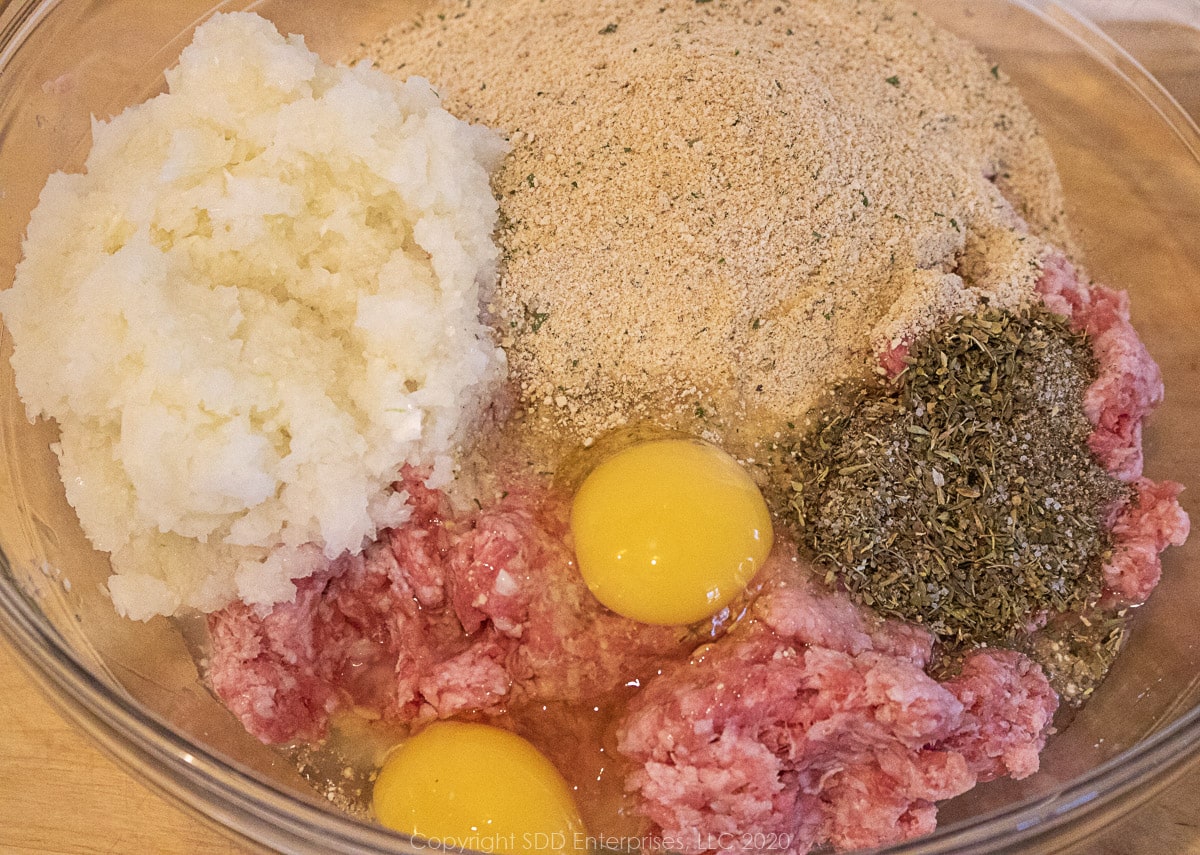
(475, 786)
(669, 531)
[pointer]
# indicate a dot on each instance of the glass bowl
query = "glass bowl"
(1130, 163)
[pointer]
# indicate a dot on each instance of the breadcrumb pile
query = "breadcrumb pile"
(712, 209)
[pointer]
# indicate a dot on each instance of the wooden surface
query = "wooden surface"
(60, 796)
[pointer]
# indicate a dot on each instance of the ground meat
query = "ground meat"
(439, 617)
(1128, 383)
(268, 670)
(816, 721)
(1007, 709)
(1150, 523)
(797, 609)
(892, 360)
(1127, 387)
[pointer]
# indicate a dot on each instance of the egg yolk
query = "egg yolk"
(475, 786)
(669, 531)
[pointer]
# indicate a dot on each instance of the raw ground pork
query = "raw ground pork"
(815, 722)
(439, 617)
(812, 718)
(1127, 387)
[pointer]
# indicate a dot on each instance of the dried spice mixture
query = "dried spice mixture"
(962, 493)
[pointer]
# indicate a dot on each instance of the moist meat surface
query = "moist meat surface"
(444, 615)
(1128, 388)
(811, 718)
(814, 723)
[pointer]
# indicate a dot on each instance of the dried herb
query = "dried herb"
(962, 494)
(535, 320)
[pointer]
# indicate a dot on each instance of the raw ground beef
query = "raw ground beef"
(1148, 524)
(1128, 383)
(816, 722)
(813, 718)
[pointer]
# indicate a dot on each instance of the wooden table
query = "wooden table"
(60, 796)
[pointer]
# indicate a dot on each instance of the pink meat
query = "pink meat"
(1127, 387)
(817, 722)
(893, 359)
(269, 670)
(1007, 710)
(1146, 526)
(1128, 383)
(356, 634)
(797, 609)
(440, 616)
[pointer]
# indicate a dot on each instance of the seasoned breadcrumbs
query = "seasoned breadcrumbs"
(706, 232)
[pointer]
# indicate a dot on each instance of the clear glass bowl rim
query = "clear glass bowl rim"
(250, 808)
